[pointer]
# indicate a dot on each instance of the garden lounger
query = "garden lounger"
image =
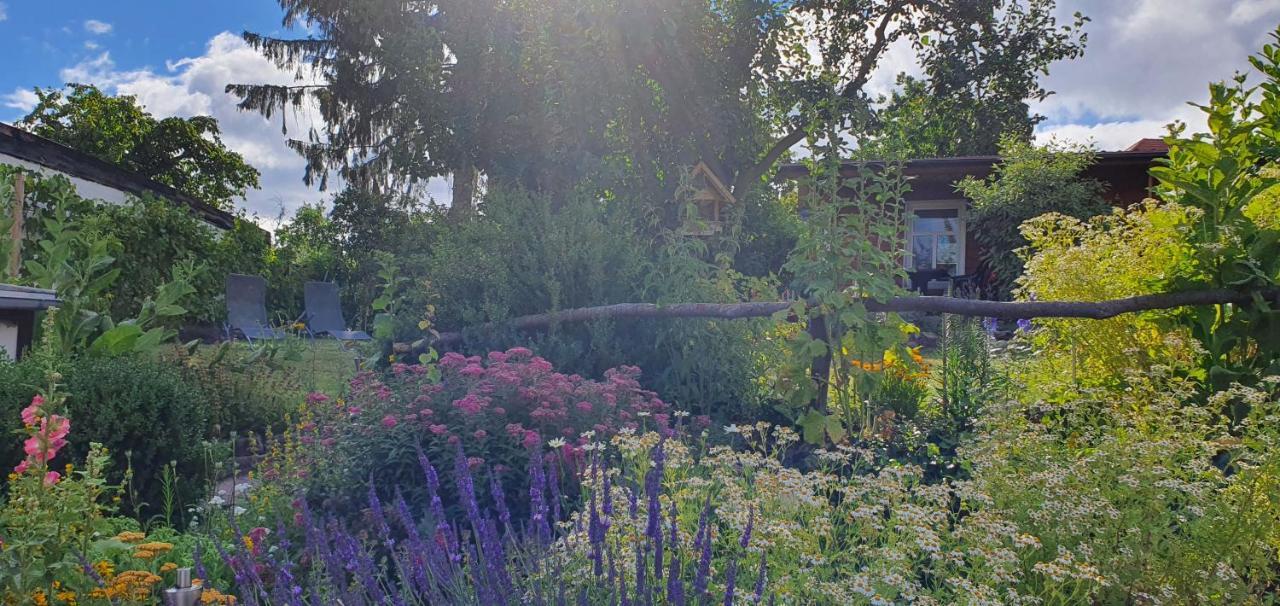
(324, 313)
(247, 308)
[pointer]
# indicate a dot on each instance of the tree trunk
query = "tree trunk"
(463, 205)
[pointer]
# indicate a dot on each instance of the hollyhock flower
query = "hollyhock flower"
(52, 478)
(30, 414)
(21, 468)
(389, 421)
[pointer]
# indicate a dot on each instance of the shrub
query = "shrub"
(1029, 181)
(1122, 254)
(529, 254)
(144, 412)
(499, 408)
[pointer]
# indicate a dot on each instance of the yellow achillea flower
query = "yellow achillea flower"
(168, 567)
(104, 569)
(129, 536)
(213, 596)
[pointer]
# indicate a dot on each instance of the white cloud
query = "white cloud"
(90, 45)
(4, 11)
(1144, 61)
(21, 98)
(192, 86)
(94, 26)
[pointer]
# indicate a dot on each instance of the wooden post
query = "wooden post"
(16, 231)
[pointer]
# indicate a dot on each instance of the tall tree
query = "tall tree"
(184, 153)
(546, 92)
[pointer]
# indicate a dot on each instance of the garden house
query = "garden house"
(93, 178)
(937, 246)
(18, 306)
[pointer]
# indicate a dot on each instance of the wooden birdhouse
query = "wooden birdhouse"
(710, 195)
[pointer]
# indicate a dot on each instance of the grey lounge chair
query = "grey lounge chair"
(324, 313)
(247, 308)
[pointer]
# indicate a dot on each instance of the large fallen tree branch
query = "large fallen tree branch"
(1096, 310)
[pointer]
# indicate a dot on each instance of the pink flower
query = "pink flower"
(426, 412)
(584, 406)
(480, 434)
(389, 421)
(438, 429)
(52, 478)
(519, 352)
(316, 397)
(30, 413)
(353, 411)
(22, 467)
(472, 370)
(531, 439)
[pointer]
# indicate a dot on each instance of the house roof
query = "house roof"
(25, 297)
(1149, 145)
(960, 166)
(38, 150)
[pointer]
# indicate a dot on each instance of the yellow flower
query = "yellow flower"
(144, 554)
(67, 597)
(129, 536)
(38, 598)
(168, 567)
(104, 569)
(156, 546)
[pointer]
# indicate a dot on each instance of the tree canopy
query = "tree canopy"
(544, 94)
(184, 153)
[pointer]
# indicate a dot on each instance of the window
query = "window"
(937, 237)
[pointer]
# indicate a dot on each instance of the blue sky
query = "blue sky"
(40, 38)
(1145, 59)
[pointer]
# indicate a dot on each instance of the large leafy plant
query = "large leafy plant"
(1222, 174)
(76, 259)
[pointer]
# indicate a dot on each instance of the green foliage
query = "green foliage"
(840, 259)
(1222, 174)
(1029, 181)
(530, 254)
(1112, 256)
(977, 84)
(156, 237)
(184, 153)
(136, 407)
(495, 87)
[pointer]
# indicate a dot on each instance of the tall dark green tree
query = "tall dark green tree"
(184, 153)
(546, 94)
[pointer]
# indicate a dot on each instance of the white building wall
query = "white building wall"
(87, 189)
(8, 340)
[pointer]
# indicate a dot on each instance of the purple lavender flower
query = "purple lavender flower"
(751, 522)
(991, 325)
(703, 574)
(499, 499)
(537, 498)
(379, 518)
(652, 488)
(760, 577)
(1024, 325)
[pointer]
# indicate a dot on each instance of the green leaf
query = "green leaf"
(814, 426)
(116, 341)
